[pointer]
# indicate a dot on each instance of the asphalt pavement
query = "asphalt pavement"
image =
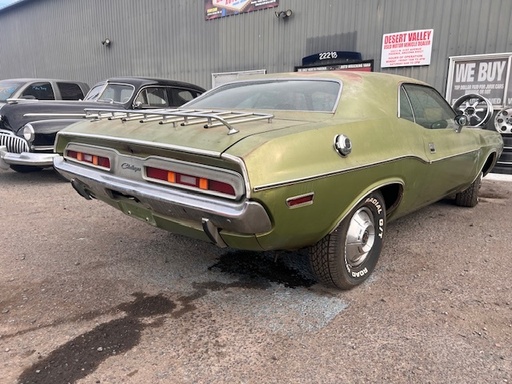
(89, 295)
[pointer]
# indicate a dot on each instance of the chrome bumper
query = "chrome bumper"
(16, 150)
(244, 217)
(25, 158)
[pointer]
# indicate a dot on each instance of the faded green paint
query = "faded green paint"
(294, 155)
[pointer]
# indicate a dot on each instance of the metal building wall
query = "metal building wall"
(172, 39)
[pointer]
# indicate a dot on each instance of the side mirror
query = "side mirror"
(461, 121)
(137, 105)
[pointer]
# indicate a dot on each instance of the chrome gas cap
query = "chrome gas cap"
(343, 145)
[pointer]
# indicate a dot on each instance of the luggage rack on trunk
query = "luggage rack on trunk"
(182, 117)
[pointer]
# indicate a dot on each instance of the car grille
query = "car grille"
(13, 143)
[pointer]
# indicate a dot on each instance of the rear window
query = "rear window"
(283, 94)
(70, 91)
(181, 96)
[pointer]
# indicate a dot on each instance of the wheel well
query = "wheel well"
(489, 164)
(392, 194)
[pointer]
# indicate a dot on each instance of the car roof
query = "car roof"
(342, 75)
(28, 79)
(139, 81)
(363, 93)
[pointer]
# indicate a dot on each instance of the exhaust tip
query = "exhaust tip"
(81, 189)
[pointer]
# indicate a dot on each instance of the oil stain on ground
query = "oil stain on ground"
(287, 268)
(81, 356)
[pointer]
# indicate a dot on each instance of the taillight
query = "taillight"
(87, 158)
(186, 180)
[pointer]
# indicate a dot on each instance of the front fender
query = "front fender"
(51, 126)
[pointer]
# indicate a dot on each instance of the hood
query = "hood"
(16, 115)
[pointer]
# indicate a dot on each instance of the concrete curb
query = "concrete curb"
(498, 177)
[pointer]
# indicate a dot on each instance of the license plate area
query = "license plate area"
(131, 208)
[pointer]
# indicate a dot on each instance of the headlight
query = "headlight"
(29, 133)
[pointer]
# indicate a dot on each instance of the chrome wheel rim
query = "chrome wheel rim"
(360, 237)
(476, 108)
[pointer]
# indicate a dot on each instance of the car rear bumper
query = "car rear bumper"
(147, 201)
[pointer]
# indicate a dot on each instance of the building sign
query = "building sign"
(486, 75)
(213, 9)
(364, 66)
(405, 49)
(330, 57)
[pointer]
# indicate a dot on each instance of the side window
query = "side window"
(405, 106)
(70, 91)
(40, 91)
(152, 97)
(179, 96)
(429, 108)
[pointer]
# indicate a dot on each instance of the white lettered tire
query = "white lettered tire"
(347, 256)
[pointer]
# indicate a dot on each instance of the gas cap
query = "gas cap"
(343, 145)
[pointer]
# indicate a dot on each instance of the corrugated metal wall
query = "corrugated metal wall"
(172, 39)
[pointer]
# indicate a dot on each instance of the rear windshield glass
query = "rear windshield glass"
(293, 95)
(7, 89)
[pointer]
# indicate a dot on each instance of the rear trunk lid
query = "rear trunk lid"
(209, 136)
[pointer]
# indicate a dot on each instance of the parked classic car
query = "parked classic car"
(41, 89)
(283, 162)
(28, 129)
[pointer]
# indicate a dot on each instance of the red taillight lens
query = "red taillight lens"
(219, 186)
(155, 173)
(190, 181)
(88, 158)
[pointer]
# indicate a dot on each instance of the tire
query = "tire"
(469, 197)
(337, 265)
(25, 168)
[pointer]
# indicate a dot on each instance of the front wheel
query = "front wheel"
(347, 256)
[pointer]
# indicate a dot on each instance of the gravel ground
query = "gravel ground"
(89, 295)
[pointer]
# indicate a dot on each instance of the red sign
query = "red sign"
(214, 9)
(405, 49)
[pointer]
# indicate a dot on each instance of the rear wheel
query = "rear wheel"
(25, 168)
(347, 256)
(469, 197)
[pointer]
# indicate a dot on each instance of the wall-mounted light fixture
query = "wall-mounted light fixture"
(106, 42)
(284, 14)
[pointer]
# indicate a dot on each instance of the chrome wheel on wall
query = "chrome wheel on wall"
(476, 108)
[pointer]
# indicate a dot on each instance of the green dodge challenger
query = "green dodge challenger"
(318, 160)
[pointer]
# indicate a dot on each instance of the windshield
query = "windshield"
(7, 89)
(283, 94)
(111, 93)
(94, 92)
